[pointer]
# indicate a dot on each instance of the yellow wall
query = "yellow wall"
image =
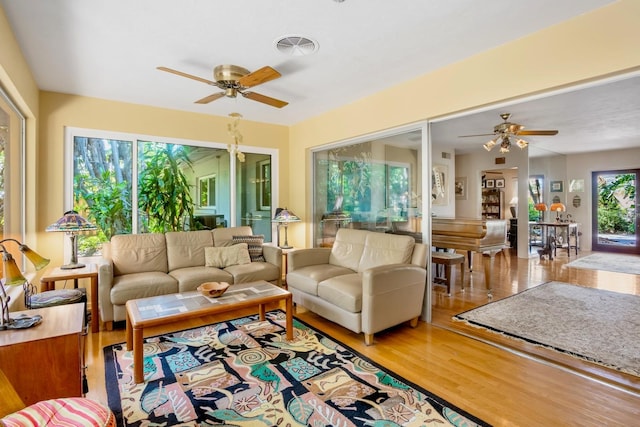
(591, 46)
(59, 110)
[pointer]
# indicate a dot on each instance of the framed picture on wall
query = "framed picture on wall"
(491, 183)
(440, 185)
(556, 186)
(461, 188)
(500, 183)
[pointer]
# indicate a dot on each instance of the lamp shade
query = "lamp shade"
(71, 221)
(559, 207)
(285, 216)
(540, 207)
(12, 274)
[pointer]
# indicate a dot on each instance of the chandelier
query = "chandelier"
(233, 130)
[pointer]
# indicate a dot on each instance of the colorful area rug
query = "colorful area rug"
(609, 262)
(593, 324)
(243, 372)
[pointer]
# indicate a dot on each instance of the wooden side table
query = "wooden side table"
(90, 271)
(45, 361)
(285, 259)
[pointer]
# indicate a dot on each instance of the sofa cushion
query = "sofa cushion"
(226, 256)
(186, 248)
(383, 249)
(253, 272)
(306, 279)
(255, 246)
(142, 285)
(347, 248)
(224, 236)
(189, 278)
(138, 253)
(343, 291)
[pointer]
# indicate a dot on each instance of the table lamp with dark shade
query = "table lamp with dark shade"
(12, 276)
(284, 217)
(72, 223)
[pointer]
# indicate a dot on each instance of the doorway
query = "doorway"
(616, 218)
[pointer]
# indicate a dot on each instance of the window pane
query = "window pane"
(102, 188)
(211, 167)
(253, 193)
(372, 185)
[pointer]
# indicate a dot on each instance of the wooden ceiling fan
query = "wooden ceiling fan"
(506, 130)
(234, 80)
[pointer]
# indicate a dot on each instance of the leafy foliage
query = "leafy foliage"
(163, 190)
(616, 204)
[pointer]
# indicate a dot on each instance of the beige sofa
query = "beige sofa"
(145, 265)
(366, 282)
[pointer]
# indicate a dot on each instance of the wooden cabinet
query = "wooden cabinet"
(45, 361)
(492, 203)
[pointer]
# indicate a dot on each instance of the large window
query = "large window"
(12, 178)
(139, 185)
(372, 185)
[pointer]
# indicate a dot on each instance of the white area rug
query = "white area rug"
(592, 324)
(609, 262)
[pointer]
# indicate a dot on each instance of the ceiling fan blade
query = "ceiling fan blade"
(189, 76)
(538, 132)
(260, 76)
(210, 98)
(264, 99)
(481, 134)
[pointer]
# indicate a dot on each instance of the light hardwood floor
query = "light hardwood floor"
(502, 381)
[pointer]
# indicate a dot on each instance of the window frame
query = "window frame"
(71, 132)
(208, 178)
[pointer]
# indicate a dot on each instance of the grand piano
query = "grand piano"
(485, 236)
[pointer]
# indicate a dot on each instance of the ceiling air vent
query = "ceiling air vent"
(296, 45)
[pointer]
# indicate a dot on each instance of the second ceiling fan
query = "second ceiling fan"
(506, 130)
(234, 80)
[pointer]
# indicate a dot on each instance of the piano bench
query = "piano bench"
(448, 259)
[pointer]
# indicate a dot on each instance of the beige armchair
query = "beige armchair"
(366, 282)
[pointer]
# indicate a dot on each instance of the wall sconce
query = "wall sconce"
(72, 223)
(13, 277)
(284, 217)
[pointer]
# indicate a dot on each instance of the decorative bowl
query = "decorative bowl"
(213, 289)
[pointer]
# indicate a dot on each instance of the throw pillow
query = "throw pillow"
(226, 256)
(255, 245)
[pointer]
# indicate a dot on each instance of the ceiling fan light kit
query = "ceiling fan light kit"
(507, 130)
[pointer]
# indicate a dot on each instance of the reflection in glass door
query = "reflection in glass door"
(615, 211)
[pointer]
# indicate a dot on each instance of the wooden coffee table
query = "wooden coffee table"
(145, 312)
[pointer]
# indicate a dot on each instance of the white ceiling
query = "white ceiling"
(110, 49)
(597, 117)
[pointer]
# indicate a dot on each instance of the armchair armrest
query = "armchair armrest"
(273, 255)
(105, 283)
(305, 257)
(391, 294)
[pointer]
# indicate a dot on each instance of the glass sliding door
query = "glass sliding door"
(128, 185)
(253, 193)
(373, 185)
(615, 211)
